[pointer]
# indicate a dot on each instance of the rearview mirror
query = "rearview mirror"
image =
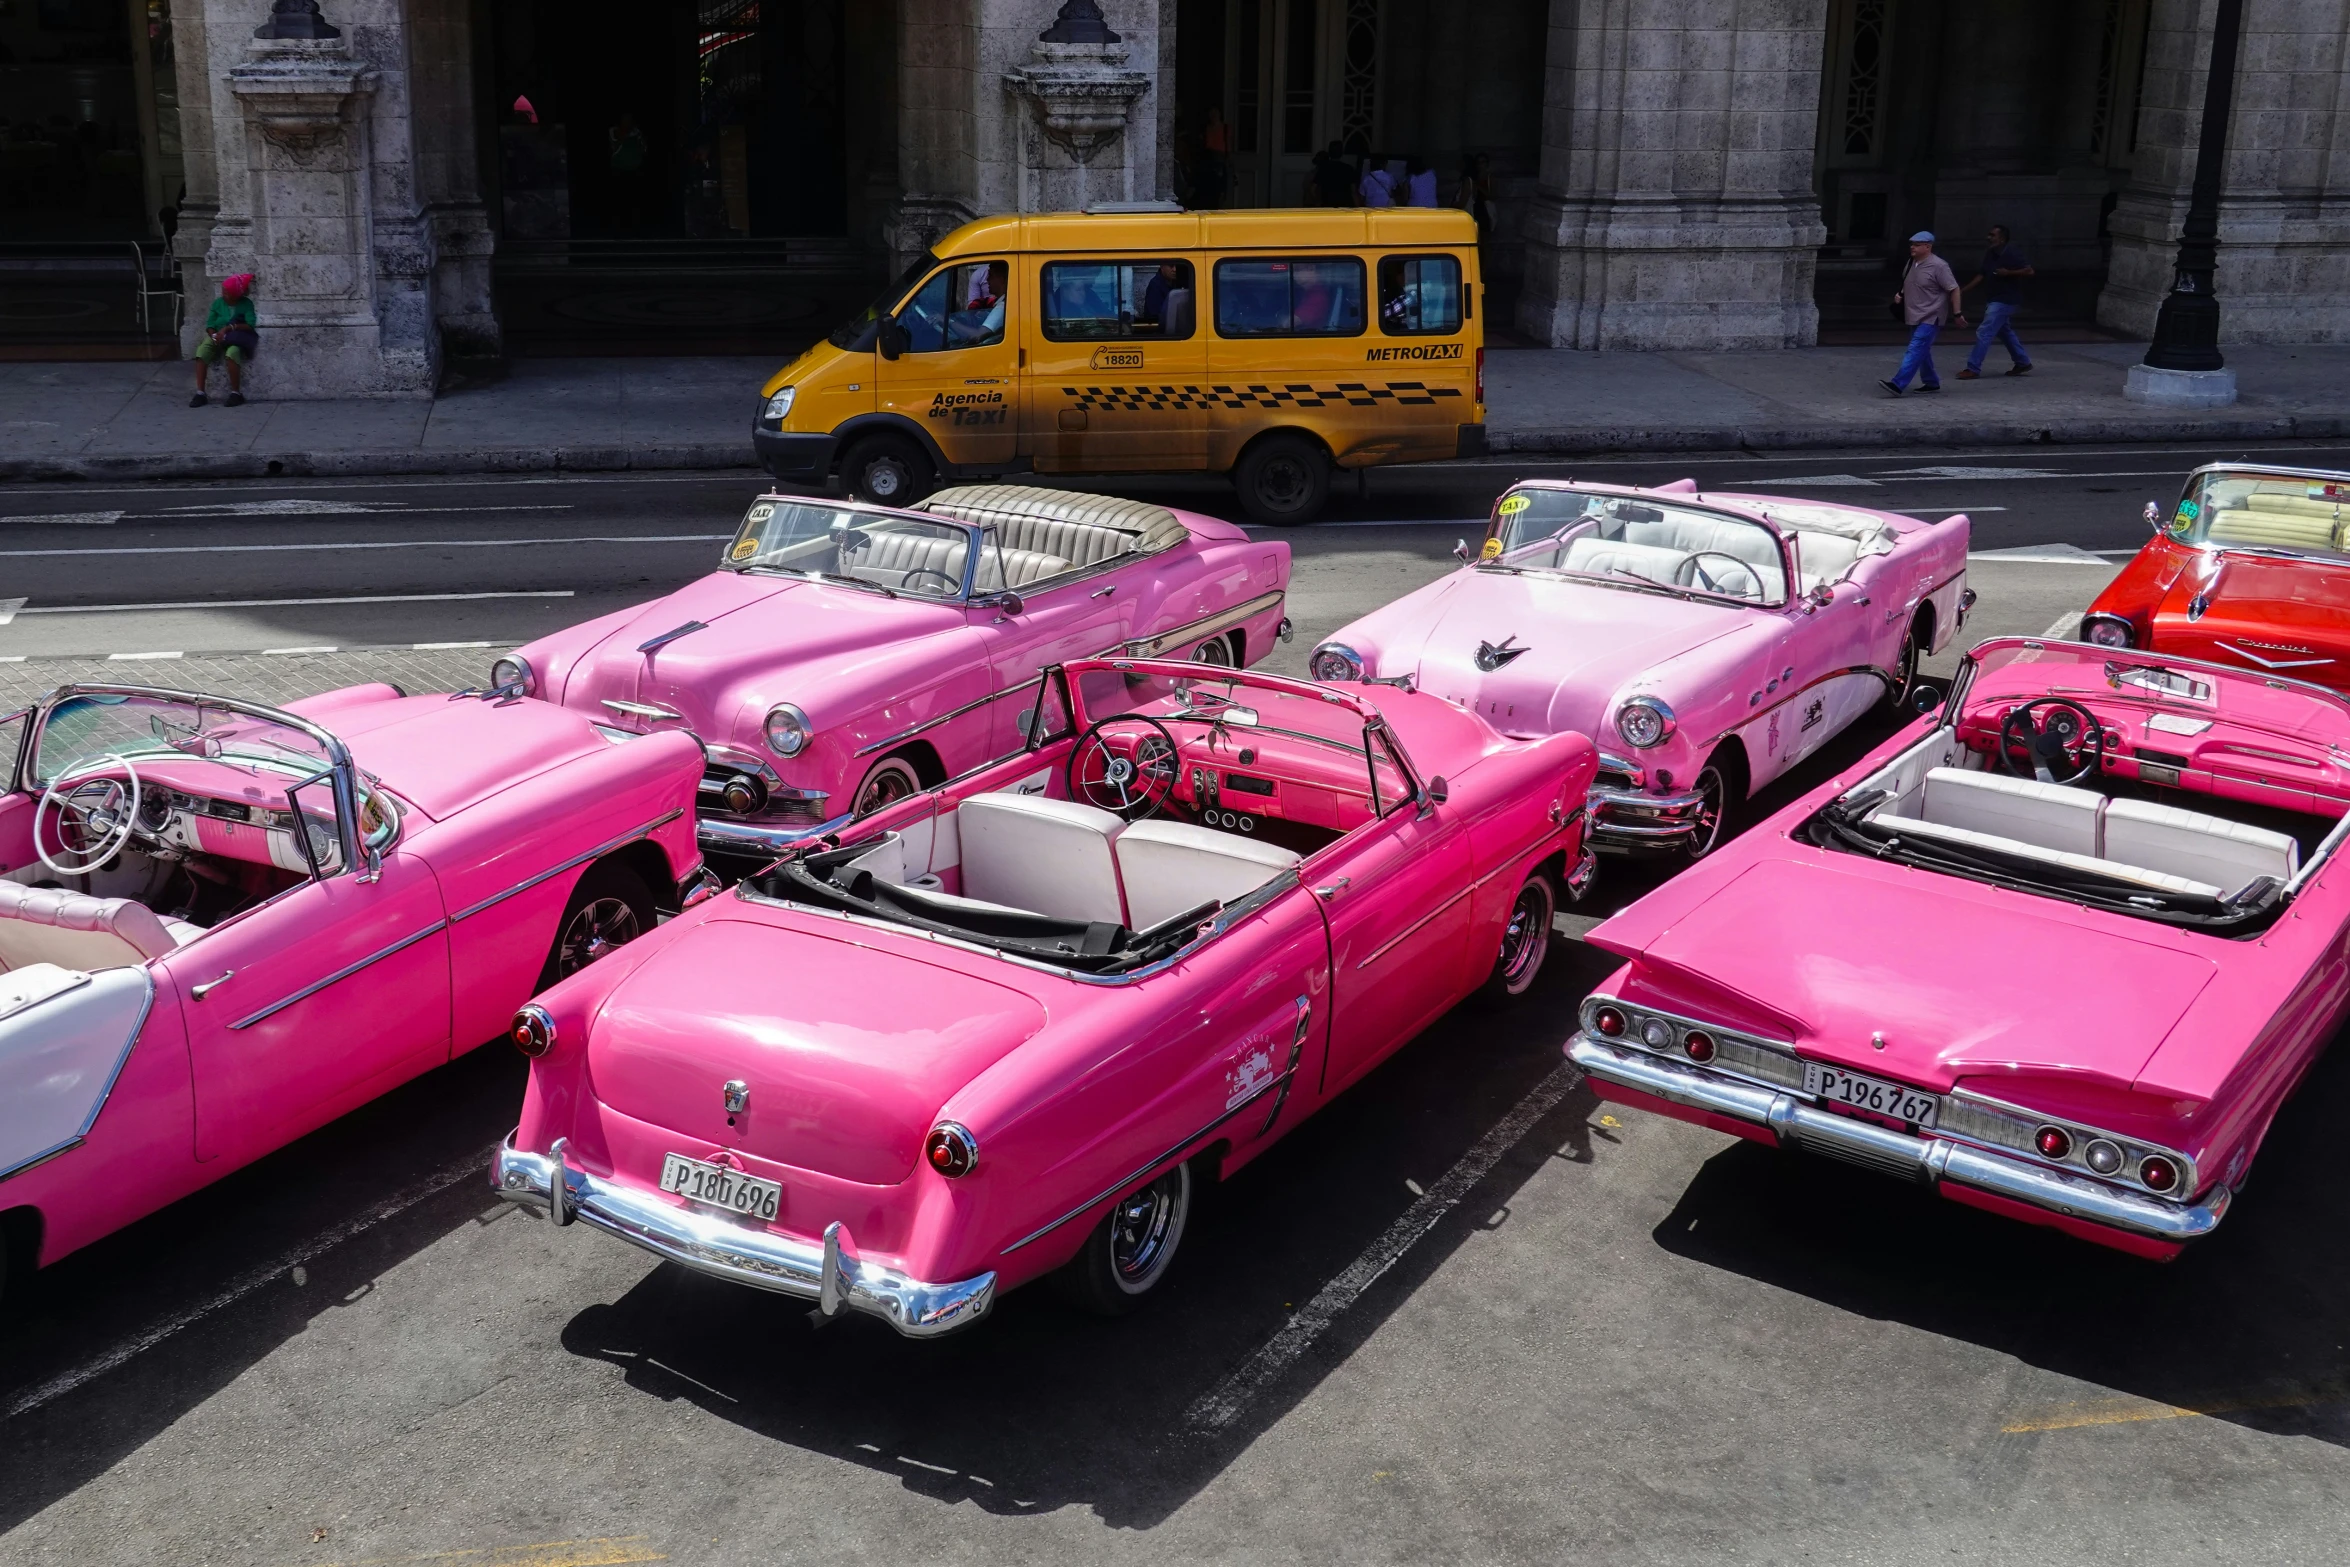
(1009, 602)
(1438, 789)
(1925, 698)
(890, 339)
(1461, 550)
(1820, 597)
(2153, 516)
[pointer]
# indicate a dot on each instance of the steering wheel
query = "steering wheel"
(94, 818)
(1136, 782)
(2069, 736)
(1690, 574)
(953, 585)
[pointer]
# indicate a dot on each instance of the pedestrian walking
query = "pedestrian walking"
(2002, 277)
(1928, 297)
(1378, 186)
(1419, 182)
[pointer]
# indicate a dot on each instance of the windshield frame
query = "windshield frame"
(861, 333)
(340, 772)
(1688, 500)
(2168, 528)
(980, 535)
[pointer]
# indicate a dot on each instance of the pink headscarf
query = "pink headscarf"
(236, 286)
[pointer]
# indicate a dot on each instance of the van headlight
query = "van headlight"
(513, 673)
(779, 406)
(1644, 721)
(788, 730)
(1335, 661)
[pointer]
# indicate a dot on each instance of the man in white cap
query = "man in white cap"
(1927, 298)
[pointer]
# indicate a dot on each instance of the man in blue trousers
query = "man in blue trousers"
(2004, 270)
(1928, 297)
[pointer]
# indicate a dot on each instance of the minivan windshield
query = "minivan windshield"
(2275, 513)
(858, 331)
(855, 548)
(1637, 540)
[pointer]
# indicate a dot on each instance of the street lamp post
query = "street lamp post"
(2184, 364)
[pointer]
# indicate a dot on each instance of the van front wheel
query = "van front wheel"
(887, 470)
(1283, 479)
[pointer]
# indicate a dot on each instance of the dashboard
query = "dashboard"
(234, 829)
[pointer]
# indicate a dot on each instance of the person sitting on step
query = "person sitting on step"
(229, 334)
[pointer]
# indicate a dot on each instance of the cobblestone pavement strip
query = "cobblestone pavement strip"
(273, 678)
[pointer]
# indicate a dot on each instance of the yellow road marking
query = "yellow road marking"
(2134, 1411)
(614, 1552)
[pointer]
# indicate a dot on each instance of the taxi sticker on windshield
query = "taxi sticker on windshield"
(1492, 549)
(1511, 505)
(2188, 512)
(744, 549)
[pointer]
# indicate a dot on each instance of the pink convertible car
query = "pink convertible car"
(998, 1029)
(2060, 950)
(1709, 642)
(223, 925)
(846, 656)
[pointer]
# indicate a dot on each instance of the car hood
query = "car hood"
(442, 755)
(1582, 642)
(848, 1049)
(1957, 987)
(2261, 613)
(753, 628)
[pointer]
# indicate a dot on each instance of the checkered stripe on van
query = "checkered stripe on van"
(1357, 394)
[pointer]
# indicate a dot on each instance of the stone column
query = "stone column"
(1675, 207)
(1024, 106)
(2284, 273)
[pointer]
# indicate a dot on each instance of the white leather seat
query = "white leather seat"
(2198, 847)
(76, 931)
(2054, 816)
(2136, 875)
(1823, 557)
(1169, 867)
(1047, 856)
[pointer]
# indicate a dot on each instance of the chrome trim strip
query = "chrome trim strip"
(726, 1249)
(1411, 930)
(1207, 625)
(933, 723)
(341, 974)
(121, 1060)
(748, 836)
(1169, 1157)
(641, 709)
(576, 860)
(1932, 1160)
(1817, 680)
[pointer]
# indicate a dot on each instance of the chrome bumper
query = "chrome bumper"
(735, 837)
(1932, 1160)
(830, 1274)
(1630, 819)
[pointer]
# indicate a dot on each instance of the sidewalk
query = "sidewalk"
(131, 421)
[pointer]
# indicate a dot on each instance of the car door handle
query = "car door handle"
(1330, 889)
(199, 992)
(1103, 593)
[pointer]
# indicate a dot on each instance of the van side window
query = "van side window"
(1089, 301)
(1299, 298)
(1419, 294)
(961, 307)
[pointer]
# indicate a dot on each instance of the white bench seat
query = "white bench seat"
(76, 931)
(2153, 881)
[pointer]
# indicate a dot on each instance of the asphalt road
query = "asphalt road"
(1465, 1314)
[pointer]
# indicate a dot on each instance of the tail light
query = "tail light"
(951, 1150)
(1698, 1045)
(1609, 1022)
(533, 1032)
(2054, 1142)
(1480, 375)
(2157, 1174)
(2103, 1157)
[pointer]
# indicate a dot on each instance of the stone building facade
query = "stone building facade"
(1654, 173)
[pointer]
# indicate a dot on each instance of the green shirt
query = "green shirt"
(226, 313)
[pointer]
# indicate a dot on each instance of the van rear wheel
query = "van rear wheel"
(1283, 479)
(887, 470)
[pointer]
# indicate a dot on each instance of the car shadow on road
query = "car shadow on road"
(112, 1345)
(1040, 1407)
(2245, 1326)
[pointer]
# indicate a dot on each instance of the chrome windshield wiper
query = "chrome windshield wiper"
(856, 582)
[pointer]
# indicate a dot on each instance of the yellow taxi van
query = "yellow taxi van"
(1275, 346)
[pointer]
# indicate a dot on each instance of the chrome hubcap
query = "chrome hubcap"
(888, 786)
(1527, 936)
(1145, 1227)
(1709, 814)
(595, 930)
(1214, 651)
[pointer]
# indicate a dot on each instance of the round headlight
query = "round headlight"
(1335, 661)
(788, 731)
(513, 673)
(1644, 721)
(2107, 631)
(534, 1031)
(779, 405)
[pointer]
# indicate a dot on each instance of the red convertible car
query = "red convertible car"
(2250, 570)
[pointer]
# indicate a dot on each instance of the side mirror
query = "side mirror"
(1925, 699)
(1009, 602)
(2153, 516)
(1820, 597)
(1461, 550)
(1439, 790)
(890, 339)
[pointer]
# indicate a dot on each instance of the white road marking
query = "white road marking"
(121, 657)
(2046, 555)
(430, 647)
(2063, 625)
(73, 519)
(472, 1167)
(13, 658)
(1938, 511)
(364, 544)
(1816, 480)
(8, 609)
(1223, 1403)
(299, 507)
(1962, 471)
(371, 598)
(273, 652)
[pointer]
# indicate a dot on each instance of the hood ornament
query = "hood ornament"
(665, 638)
(738, 1096)
(1492, 656)
(2198, 604)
